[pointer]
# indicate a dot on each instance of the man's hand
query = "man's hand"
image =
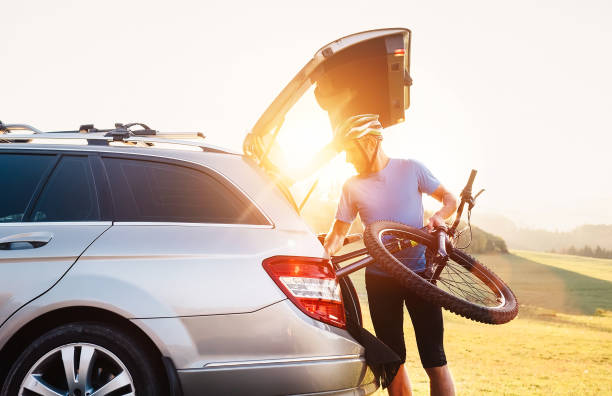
(335, 237)
(435, 221)
(449, 203)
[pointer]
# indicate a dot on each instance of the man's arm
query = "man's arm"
(449, 205)
(334, 240)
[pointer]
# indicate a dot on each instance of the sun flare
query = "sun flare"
(305, 132)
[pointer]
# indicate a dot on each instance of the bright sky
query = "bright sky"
(521, 90)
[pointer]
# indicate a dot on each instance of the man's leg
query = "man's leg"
(400, 386)
(440, 381)
(386, 301)
(429, 332)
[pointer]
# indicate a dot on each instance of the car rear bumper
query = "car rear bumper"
(329, 375)
(272, 351)
(278, 332)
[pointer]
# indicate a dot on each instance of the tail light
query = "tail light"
(311, 284)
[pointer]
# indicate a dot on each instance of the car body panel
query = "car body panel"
(307, 355)
(181, 270)
(28, 273)
(306, 377)
(278, 339)
(279, 331)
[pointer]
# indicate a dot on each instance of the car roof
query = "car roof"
(157, 145)
(156, 150)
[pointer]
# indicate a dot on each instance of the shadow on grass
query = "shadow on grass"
(549, 287)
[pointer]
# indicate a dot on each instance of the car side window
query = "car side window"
(20, 174)
(150, 191)
(70, 193)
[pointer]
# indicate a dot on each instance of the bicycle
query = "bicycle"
(452, 279)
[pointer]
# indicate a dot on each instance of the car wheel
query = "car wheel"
(84, 359)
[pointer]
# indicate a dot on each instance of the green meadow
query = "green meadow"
(560, 343)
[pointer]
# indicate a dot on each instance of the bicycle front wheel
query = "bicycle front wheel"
(463, 285)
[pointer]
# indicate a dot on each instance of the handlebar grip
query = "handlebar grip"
(466, 194)
(471, 179)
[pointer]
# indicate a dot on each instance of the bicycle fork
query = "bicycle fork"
(441, 258)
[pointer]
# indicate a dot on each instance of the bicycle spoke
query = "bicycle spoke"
(467, 285)
(473, 292)
(456, 286)
(467, 282)
(457, 279)
(466, 293)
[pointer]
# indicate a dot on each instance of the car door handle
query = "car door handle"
(26, 240)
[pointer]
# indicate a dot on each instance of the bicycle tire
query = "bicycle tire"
(462, 269)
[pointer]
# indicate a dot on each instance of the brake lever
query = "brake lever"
(472, 200)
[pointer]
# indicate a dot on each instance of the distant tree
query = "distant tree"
(501, 245)
(588, 251)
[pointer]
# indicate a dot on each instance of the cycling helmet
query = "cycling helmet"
(356, 127)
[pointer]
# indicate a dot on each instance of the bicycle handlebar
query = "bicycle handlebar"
(466, 197)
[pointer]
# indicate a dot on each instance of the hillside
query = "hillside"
(542, 240)
(481, 241)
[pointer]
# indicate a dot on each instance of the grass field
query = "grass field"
(587, 266)
(560, 344)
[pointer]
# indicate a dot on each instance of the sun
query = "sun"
(305, 131)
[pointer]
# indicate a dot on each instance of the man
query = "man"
(391, 189)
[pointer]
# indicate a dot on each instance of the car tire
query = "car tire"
(108, 353)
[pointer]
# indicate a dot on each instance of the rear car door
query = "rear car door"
(49, 214)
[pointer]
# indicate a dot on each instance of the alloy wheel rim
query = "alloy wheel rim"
(78, 369)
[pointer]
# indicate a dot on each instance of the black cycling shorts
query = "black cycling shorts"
(386, 298)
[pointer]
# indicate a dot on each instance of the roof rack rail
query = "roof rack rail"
(120, 130)
(121, 133)
(5, 128)
(101, 140)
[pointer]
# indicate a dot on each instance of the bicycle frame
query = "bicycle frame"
(393, 247)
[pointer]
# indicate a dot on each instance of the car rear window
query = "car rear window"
(20, 174)
(149, 191)
(70, 193)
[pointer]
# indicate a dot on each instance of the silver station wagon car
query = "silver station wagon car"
(134, 261)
